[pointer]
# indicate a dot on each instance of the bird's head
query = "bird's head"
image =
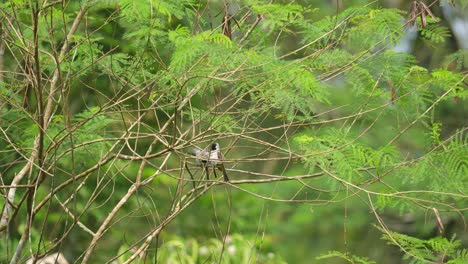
(215, 146)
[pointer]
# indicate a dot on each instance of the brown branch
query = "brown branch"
(123, 200)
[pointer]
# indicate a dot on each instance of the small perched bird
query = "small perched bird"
(211, 157)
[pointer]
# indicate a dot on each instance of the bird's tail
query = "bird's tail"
(226, 179)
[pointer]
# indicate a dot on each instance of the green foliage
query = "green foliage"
(296, 92)
(447, 80)
(441, 171)
(377, 27)
(435, 34)
(435, 134)
(277, 17)
(331, 150)
(236, 249)
(189, 49)
(349, 258)
(85, 54)
(449, 160)
(148, 20)
(458, 59)
(431, 250)
(330, 29)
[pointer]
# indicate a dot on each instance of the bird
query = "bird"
(201, 159)
(210, 157)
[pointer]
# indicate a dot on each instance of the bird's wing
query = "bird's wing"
(195, 151)
(201, 156)
(220, 155)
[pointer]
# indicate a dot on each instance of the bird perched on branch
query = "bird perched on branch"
(210, 157)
